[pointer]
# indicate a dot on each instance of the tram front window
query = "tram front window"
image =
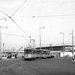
(28, 51)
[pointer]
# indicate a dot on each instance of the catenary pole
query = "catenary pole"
(63, 43)
(0, 39)
(40, 35)
(72, 45)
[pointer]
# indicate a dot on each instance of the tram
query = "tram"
(36, 53)
(46, 54)
(29, 54)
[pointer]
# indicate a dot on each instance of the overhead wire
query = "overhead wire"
(13, 35)
(32, 16)
(19, 27)
(54, 15)
(15, 23)
(18, 8)
(14, 20)
(4, 13)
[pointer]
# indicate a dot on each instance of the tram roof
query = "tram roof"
(31, 49)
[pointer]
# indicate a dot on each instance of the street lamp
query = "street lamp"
(63, 42)
(3, 18)
(40, 35)
(72, 45)
(0, 34)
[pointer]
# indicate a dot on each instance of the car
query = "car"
(4, 57)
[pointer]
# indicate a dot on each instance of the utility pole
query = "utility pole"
(72, 45)
(40, 38)
(63, 43)
(40, 35)
(3, 46)
(0, 39)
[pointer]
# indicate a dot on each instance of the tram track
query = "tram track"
(6, 66)
(10, 69)
(29, 70)
(18, 69)
(21, 68)
(34, 71)
(26, 70)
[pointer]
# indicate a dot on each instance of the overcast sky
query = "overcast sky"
(55, 15)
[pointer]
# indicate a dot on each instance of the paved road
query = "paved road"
(56, 66)
(5, 63)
